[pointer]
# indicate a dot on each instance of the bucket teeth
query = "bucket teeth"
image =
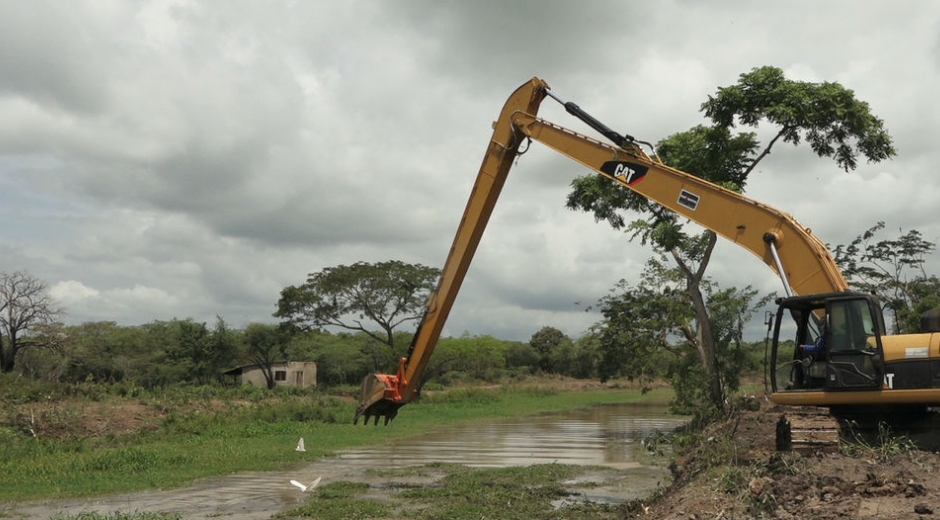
(378, 398)
(384, 408)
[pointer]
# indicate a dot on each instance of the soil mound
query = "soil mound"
(734, 471)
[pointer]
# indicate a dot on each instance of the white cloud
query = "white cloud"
(188, 158)
(72, 292)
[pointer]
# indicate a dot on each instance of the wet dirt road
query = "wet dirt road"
(607, 436)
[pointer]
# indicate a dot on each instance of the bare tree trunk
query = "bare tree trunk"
(707, 349)
(7, 357)
(705, 336)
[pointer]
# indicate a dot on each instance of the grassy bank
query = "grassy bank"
(218, 434)
(547, 491)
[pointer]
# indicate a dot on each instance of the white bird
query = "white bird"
(308, 487)
(300, 445)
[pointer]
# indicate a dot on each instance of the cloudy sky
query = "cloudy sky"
(187, 159)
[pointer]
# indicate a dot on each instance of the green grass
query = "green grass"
(518, 493)
(880, 447)
(258, 437)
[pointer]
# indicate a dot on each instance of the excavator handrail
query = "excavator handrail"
(772, 235)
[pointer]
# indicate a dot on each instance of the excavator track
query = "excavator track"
(808, 430)
(816, 430)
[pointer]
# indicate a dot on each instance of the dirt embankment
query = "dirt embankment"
(736, 472)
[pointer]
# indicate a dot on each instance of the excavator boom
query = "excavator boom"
(802, 260)
(772, 235)
(382, 395)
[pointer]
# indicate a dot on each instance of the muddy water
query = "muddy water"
(608, 436)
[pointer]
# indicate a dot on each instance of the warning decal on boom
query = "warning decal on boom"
(688, 199)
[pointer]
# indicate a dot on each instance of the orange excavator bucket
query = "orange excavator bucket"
(380, 396)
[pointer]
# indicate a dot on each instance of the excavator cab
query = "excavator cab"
(827, 342)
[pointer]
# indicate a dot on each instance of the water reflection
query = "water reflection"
(603, 435)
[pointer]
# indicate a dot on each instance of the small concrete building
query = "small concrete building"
(300, 374)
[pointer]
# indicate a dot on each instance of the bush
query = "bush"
(301, 411)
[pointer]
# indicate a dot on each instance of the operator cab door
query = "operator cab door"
(827, 342)
(852, 344)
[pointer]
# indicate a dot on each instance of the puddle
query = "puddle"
(608, 436)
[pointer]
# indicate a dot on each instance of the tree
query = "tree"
(189, 349)
(558, 354)
(585, 358)
(25, 308)
(92, 352)
(342, 358)
(223, 349)
(521, 357)
(267, 344)
(575, 359)
(894, 270)
(546, 342)
(160, 362)
(826, 115)
(476, 357)
(387, 294)
(650, 330)
(638, 324)
(199, 353)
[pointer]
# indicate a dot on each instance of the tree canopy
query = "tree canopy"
(825, 115)
(267, 344)
(548, 341)
(892, 268)
(653, 324)
(386, 294)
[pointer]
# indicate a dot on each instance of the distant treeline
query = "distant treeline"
(185, 351)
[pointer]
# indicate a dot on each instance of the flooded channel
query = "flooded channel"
(608, 436)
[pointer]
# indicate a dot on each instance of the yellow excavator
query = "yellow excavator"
(829, 346)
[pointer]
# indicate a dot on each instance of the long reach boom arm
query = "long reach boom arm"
(801, 260)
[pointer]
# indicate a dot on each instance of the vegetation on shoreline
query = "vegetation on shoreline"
(541, 491)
